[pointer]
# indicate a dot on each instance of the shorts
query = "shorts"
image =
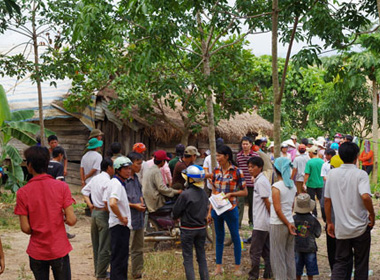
(309, 260)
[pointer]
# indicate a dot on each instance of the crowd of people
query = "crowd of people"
(281, 194)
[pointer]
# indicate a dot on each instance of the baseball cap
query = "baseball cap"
(191, 150)
(301, 147)
(313, 150)
(349, 137)
(161, 155)
(293, 137)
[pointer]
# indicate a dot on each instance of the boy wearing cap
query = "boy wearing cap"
(299, 164)
(154, 190)
(307, 228)
(119, 218)
(313, 182)
(90, 163)
(191, 208)
(189, 156)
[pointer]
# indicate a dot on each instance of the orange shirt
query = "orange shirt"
(366, 158)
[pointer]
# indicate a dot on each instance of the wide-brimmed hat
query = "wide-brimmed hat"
(95, 133)
(94, 143)
(304, 204)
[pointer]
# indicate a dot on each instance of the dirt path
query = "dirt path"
(17, 263)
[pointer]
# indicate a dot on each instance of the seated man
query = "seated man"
(153, 188)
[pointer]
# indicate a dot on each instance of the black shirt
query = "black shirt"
(191, 206)
(55, 169)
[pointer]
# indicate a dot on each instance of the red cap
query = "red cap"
(161, 155)
(301, 147)
(139, 148)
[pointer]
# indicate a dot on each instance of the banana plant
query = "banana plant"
(13, 125)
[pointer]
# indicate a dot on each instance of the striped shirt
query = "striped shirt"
(231, 181)
(242, 161)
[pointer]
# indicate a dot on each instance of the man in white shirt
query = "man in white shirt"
(120, 218)
(261, 207)
(299, 164)
(348, 190)
(100, 237)
(90, 162)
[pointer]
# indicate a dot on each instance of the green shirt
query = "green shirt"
(313, 168)
(172, 164)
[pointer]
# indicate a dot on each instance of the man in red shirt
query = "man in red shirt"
(44, 205)
(242, 160)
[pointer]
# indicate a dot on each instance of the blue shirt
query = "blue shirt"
(134, 192)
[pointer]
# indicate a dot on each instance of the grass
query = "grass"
(24, 274)
(8, 220)
(169, 265)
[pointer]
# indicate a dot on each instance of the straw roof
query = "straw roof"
(231, 130)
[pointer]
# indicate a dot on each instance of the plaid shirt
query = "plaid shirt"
(232, 181)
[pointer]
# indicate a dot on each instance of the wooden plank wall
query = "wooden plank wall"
(72, 136)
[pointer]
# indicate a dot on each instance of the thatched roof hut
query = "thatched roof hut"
(231, 130)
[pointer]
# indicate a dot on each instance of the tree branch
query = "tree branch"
(16, 47)
(250, 17)
(169, 121)
(19, 32)
(222, 33)
(234, 42)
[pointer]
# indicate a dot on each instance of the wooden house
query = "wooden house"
(73, 129)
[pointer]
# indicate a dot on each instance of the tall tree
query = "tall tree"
(35, 26)
(171, 32)
(355, 69)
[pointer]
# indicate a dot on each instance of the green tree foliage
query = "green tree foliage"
(39, 32)
(13, 125)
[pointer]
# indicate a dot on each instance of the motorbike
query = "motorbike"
(160, 226)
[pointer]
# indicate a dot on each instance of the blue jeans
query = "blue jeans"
(309, 260)
(189, 239)
(119, 252)
(60, 267)
(232, 220)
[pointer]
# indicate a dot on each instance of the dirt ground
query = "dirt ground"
(17, 263)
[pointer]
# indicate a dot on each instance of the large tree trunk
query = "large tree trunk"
(185, 138)
(375, 131)
(276, 90)
(38, 78)
(210, 117)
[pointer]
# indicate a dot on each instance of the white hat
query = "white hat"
(290, 143)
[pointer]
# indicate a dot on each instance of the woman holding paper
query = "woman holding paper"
(227, 180)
